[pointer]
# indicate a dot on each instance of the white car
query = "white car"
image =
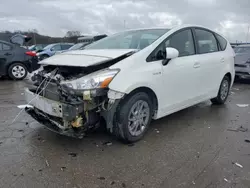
(127, 79)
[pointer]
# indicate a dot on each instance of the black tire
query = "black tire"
(221, 99)
(21, 74)
(121, 124)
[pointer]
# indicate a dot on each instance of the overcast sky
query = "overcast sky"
(56, 17)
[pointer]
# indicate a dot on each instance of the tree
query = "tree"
(73, 34)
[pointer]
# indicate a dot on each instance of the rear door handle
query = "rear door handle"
(222, 60)
(197, 65)
(7, 54)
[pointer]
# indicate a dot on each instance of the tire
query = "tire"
(17, 71)
(223, 92)
(124, 129)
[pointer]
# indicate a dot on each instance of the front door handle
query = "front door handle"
(222, 60)
(197, 65)
(7, 54)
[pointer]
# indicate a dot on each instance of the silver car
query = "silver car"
(242, 61)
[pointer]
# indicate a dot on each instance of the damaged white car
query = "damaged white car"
(130, 78)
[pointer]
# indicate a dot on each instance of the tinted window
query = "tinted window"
(222, 41)
(183, 42)
(65, 46)
(1, 46)
(56, 48)
(242, 50)
(6, 47)
(206, 41)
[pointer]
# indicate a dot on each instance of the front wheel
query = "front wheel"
(223, 92)
(17, 71)
(133, 117)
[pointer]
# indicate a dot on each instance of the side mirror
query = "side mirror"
(171, 53)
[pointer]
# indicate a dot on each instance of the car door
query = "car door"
(55, 49)
(6, 56)
(211, 61)
(180, 76)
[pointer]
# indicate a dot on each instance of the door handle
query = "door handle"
(197, 65)
(7, 54)
(222, 60)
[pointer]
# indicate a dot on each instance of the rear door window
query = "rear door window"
(56, 47)
(222, 42)
(206, 41)
(65, 46)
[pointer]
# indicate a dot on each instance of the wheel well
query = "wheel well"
(151, 94)
(229, 76)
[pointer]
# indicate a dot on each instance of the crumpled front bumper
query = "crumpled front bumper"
(54, 115)
(44, 119)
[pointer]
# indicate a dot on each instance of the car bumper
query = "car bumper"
(242, 73)
(54, 115)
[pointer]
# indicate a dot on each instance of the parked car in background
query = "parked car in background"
(16, 61)
(77, 46)
(130, 78)
(242, 61)
(90, 39)
(51, 49)
(37, 47)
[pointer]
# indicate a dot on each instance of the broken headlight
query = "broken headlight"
(99, 79)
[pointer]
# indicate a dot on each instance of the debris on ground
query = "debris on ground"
(247, 141)
(47, 163)
(107, 143)
(73, 154)
(63, 168)
(226, 180)
(20, 130)
(112, 183)
(193, 182)
(157, 131)
(40, 170)
(123, 185)
(242, 105)
(27, 123)
(241, 129)
(239, 165)
(101, 178)
(237, 89)
(232, 93)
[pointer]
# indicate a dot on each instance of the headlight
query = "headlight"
(99, 79)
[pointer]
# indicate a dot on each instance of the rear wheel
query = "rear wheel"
(223, 92)
(17, 71)
(133, 117)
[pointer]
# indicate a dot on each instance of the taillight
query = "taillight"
(30, 53)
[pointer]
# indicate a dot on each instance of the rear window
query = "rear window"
(222, 42)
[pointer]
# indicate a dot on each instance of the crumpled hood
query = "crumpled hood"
(84, 58)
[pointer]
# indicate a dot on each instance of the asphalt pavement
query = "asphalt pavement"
(203, 146)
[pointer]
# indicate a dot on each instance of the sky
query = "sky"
(231, 18)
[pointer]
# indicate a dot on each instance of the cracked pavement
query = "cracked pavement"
(197, 147)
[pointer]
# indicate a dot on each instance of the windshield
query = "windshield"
(138, 39)
(76, 46)
(242, 49)
(49, 46)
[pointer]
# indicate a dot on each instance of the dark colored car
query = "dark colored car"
(16, 61)
(242, 61)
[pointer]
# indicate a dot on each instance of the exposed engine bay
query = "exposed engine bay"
(73, 108)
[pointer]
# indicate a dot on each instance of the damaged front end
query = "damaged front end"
(72, 100)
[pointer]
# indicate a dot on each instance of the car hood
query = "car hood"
(84, 58)
(241, 58)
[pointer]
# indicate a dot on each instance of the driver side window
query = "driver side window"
(56, 48)
(183, 42)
